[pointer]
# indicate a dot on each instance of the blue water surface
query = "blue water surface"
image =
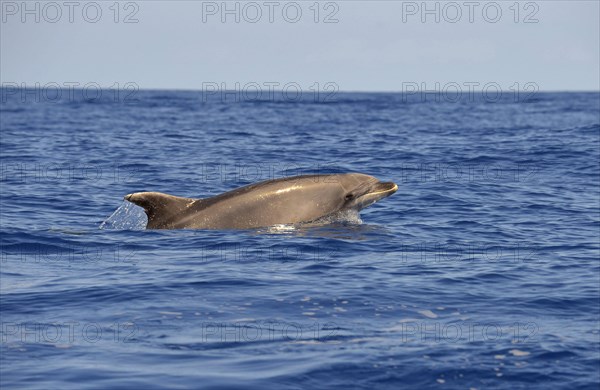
(482, 271)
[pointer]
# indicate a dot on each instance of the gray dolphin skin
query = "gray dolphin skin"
(290, 200)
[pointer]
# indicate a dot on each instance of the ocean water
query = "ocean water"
(482, 271)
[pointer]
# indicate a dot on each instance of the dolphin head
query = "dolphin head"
(361, 190)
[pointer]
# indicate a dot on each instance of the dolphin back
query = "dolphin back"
(161, 209)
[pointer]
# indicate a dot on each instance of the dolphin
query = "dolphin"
(289, 200)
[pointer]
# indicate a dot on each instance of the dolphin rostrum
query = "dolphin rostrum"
(289, 200)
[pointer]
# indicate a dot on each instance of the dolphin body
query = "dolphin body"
(289, 200)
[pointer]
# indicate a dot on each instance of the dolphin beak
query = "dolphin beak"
(385, 189)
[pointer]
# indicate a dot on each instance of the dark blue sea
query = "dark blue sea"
(481, 272)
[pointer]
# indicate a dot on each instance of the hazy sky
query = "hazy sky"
(365, 45)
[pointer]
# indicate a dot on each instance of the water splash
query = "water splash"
(127, 217)
(279, 229)
(349, 216)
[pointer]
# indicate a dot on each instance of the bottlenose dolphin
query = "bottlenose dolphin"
(289, 200)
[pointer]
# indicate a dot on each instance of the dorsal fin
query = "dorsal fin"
(160, 208)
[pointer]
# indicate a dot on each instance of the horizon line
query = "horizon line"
(177, 89)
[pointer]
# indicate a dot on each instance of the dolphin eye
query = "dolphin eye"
(349, 196)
